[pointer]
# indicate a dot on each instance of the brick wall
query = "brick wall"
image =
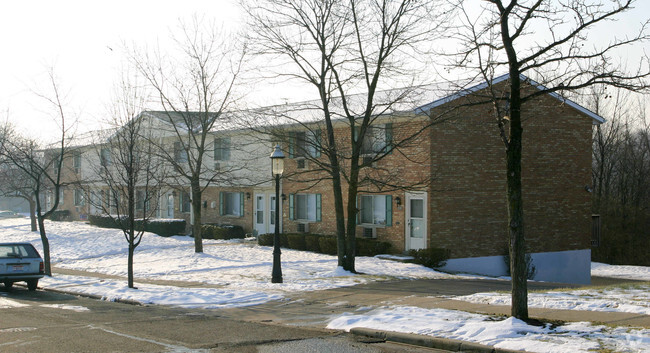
(468, 212)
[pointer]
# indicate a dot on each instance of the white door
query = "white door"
(416, 221)
(260, 214)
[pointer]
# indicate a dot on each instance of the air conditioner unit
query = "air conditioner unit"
(217, 165)
(370, 232)
(301, 163)
(303, 227)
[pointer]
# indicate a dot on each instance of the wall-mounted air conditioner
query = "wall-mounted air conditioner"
(303, 227)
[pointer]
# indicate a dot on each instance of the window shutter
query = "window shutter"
(290, 207)
(241, 204)
(226, 149)
(389, 139)
(292, 144)
(357, 218)
(389, 210)
(217, 149)
(317, 143)
(318, 208)
(220, 203)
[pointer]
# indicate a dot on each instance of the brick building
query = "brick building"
(441, 184)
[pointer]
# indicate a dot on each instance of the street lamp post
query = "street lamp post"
(277, 168)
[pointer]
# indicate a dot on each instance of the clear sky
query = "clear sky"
(82, 40)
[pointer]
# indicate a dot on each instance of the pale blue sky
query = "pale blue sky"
(76, 37)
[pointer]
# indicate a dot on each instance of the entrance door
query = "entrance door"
(416, 221)
(260, 219)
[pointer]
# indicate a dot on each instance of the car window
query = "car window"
(17, 250)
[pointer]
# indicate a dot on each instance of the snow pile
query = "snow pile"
(507, 333)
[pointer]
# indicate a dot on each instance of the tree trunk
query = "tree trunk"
(517, 245)
(340, 220)
(46, 247)
(32, 214)
(131, 252)
(196, 211)
(351, 240)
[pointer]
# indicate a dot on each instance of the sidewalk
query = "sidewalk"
(317, 307)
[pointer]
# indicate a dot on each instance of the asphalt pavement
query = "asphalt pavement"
(297, 323)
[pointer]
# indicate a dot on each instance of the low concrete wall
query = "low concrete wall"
(563, 266)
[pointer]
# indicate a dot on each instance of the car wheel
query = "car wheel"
(8, 285)
(32, 284)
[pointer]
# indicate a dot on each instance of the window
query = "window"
(78, 197)
(139, 200)
(378, 139)
(305, 207)
(60, 196)
(231, 204)
(305, 144)
(180, 153)
(375, 210)
(222, 149)
(105, 157)
(55, 163)
(76, 162)
(185, 202)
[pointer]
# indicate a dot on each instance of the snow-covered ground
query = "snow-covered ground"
(507, 333)
(235, 273)
(628, 299)
(619, 271)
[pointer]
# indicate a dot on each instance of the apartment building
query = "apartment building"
(434, 177)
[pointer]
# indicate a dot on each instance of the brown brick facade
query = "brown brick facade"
(460, 164)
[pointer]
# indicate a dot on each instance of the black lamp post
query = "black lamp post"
(277, 168)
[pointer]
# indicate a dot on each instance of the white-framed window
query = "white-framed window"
(231, 204)
(185, 202)
(378, 139)
(222, 149)
(139, 200)
(105, 157)
(79, 197)
(305, 144)
(375, 210)
(305, 207)
(180, 153)
(76, 161)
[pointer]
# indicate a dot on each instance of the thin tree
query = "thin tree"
(14, 183)
(130, 171)
(544, 40)
(194, 90)
(346, 51)
(43, 165)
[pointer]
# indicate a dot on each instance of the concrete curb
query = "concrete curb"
(428, 341)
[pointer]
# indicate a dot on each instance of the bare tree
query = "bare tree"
(129, 170)
(14, 183)
(347, 51)
(43, 165)
(544, 40)
(194, 91)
